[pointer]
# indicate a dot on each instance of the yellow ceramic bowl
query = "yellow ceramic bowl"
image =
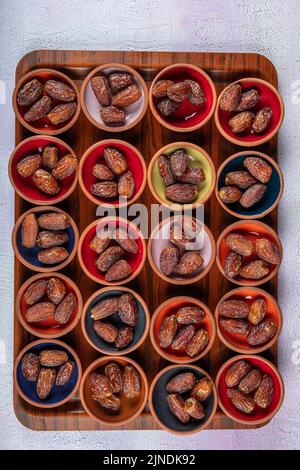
(198, 157)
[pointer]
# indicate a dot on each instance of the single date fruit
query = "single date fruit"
(248, 100)
(39, 109)
(167, 106)
(119, 80)
(53, 221)
(239, 244)
(194, 408)
(179, 91)
(259, 169)
(53, 255)
(183, 337)
(250, 382)
(230, 194)
(131, 382)
(241, 401)
(109, 257)
(62, 113)
(40, 312)
(182, 193)
(28, 165)
(50, 157)
(65, 309)
(126, 185)
(53, 357)
(233, 309)
(198, 343)
(241, 122)
(262, 120)
(181, 383)
(189, 315)
(112, 115)
(126, 97)
(100, 385)
(232, 264)
(257, 312)
(115, 160)
(105, 308)
(230, 97)
(179, 163)
(160, 88)
(192, 175)
(101, 90)
(56, 290)
(232, 325)
(241, 179)
(167, 331)
(253, 195)
(189, 264)
(255, 270)
(45, 182)
(64, 373)
(118, 271)
(29, 93)
(45, 382)
(105, 331)
(197, 96)
(236, 373)
(267, 251)
(102, 172)
(165, 171)
(177, 408)
(48, 239)
(126, 241)
(35, 292)
(128, 311)
(100, 241)
(29, 230)
(65, 167)
(202, 389)
(59, 91)
(168, 260)
(105, 189)
(113, 373)
(124, 338)
(265, 392)
(31, 367)
(262, 332)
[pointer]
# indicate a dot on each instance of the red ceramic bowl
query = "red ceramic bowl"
(87, 257)
(188, 117)
(44, 126)
(269, 96)
(238, 342)
(49, 328)
(25, 186)
(94, 154)
(129, 409)
(171, 306)
(259, 416)
(251, 229)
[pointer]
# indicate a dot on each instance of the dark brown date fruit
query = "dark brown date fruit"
(28, 165)
(233, 309)
(262, 120)
(105, 308)
(35, 292)
(118, 271)
(248, 100)
(183, 337)
(112, 115)
(29, 93)
(109, 257)
(47, 239)
(259, 169)
(167, 107)
(39, 109)
(40, 312)
(197, 96)
(126, 185)
(65, 167)
(167, 331)
(64, 373)
(160, 88)
(31, 367)
(105, 331)
(267, 251)
(119, 80)
(241, 179)
(45, 182)
(179, 162)
(232, 325)
(53, 357)
(189, 315)
(100, 385)
(29, 230)
(253, 195)
(59, 91)
(232, 264)
(202, 389)
(193, 176)
(127, 96)
(257, 312)
(50, 157)
(105, 189)
(131, 382)
(165, 171)
(101, 90)
(179, 91)
(230, 194)
(265, 392)
(250, 382)
(176, 406)
(125, 241)
(262, 332)
(194, 408)
(241, 401)
(53, 221)
(182, 193)
(239, 244)
(111, 403)
(115, 160)
(54, 255)
(230, 98)
(62, 113)
(102, 172)
(236, 373)
(190, 263)
(124, 338)
(181, 383)
(100, 241)
(241, 122)
(113, 373)
(198, 343)
(255, 270)
(45, 382)
(168, 260)
(128, 311)
(65, 309)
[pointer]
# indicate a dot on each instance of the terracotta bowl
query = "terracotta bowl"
(91, 107)
(198, 157)
(159, 239)
(87, 257)
(140, 330)
(159, 406)
(49, 328)
(171, 306)
(94, 154)
(130, 409)
(269, 96)
(271, 197)
(43, 126)
(259, 416)
(25, 186)
(28, 256)
(252, 230)
(59, 394)
(188, 117)
(237, 342)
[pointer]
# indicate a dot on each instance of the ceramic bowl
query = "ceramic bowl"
(198, 158)
(129, 410)
(271, 197)
(25, 186)
(49, 328)
(87, 257)
(91, 107)
(259, 416)
(170, 307)
(44, 126)
(59, 394)
(28, 256)
(140, 330)
(188, 117)
(269, 96)
(159, 407)
(159, 239)
(94, 154)
(238, 342)
(252, 230)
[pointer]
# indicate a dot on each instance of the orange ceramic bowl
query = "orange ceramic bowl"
(170, 307)
(239, 342)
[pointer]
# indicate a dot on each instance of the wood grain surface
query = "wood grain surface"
(148, 136)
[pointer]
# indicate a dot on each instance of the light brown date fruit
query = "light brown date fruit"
(131, 382)
(189, 264)
(112, 115)
(248, 100)
(230, 97)
(45, 182)
(262, 332)
(119, 80)
(100, 241)
(194, 408)
(232, 264)
(236, 373)
(233, 309)
(65, 167)
(181, 383)
(29, 230)
(198, 343)
(29, 93)
(111, 403)
(40, 312)
(265, 392)
(118, 271)
(62, 113)
(267, 251)
(253, 195)
(202, 389)
(241, 401)
(65, 309)
(48, 239)
(241, 122)
(113, 373)
(99, 385)
(31, 367)
(28, 165)
(53, 357)
(53, 221)
(102, 172)
(105, 308)
(126, 97)
(109, 257)
(241, 179)
(257, 312)
(250, 382)
(53, 255)
(45, 382)
(56, 290)
(262, 120)
(64, 373)
(39, 109)
(50, 157)
(189, 315)
(259, 169)
(230, 194)
(101, 90)
(160, 88)
(239, 244)
(105, 331)
(176, 406)
(233, 325)
(115, 160)
(105, 189)
(59, 91)
(182, 193)
(183, 337)
(167, 331)
(255, 270)
(35, 292)
(126, 185)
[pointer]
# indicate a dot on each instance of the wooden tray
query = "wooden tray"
(148, 136)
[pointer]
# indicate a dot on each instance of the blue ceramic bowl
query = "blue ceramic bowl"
(140, 330)
(159, 406)
(271, 197)
(29, 256)
(59, 393)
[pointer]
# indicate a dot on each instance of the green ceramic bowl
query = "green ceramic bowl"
(198, 157)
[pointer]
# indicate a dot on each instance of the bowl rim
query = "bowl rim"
(43, 269)
(183, 360)
(103, 281)
(239, 224)
(129, 349)
(151, 392)
(260, 140)
(98, 363)
(172, 127)
(254, 350)
(182, 281)
(173, 204)
(272, 162)
(35, 73)
(53, 200)
(137, 77)
(248, 357)
(93, 198)
(57, 333)
(25, 350)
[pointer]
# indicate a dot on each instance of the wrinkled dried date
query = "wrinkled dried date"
(35, 292)
(124, 338)
(232, 264)
(198, 343)
(250, 382)
(262, 120)
(241, 401)
(45, 382)
(100, 242)
(112, 115)
(65, 167)
(181, 383)
(28, 165)
(126, 185)
(258, 168)
(62, 113)
(102, 172)
(236, 373)
(105, 189)
(167, 331)
(59, 91)
(167, 106)
(257, 312)
(105, 308)
(53, 221)
(128, 311)
(101, 90)
(189, 315)
(131, 382)
(50, 157)
(241, 122)
(111, 403)
(56, 290)
(64, 373)
(179, 91)
(113, 373)
(29, 93)
(253, 195)
(125, 241)
(232, 325)
(45, 182)
(31, 367)
(100, 385)
(267, 251)
(176, 406)
(53, 357)
(53, 255)
(202, 389)
(118, 271)
(165, 171)
(193, 176)
(65, 309)
(197, 96)
(29, 230)
(255, 270)
(183, 193)
(179, 163)
(48, 239)
(230, 194)
(109, 257)
(241, 179)
(230, 98)
(248, 100)
(105, 331)
(160, 88)
(233, 309)
(115, 160)
(119, 80)
(40, 312)
(194, 408)
(239, 244)
(168, 260)
(183, 337)
(127, 96)
(265, 392)
(262, 332)
(39, 109)
(190, 263)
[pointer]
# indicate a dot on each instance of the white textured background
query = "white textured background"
(269, 27)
